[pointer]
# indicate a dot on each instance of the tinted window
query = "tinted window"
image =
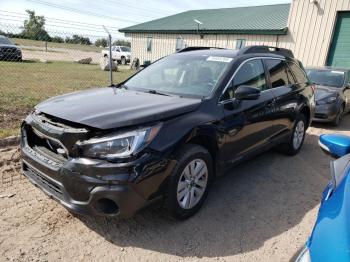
(5, 41)
(326, 77)
(298, 73)
(278, 72)
(251, 73)
(125, 48)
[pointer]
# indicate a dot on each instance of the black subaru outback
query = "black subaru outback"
(168, 131)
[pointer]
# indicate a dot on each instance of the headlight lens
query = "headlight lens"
(304, 256)
(327, 100)
(119, 145)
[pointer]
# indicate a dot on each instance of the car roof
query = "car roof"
(231, 53)
(328, 68)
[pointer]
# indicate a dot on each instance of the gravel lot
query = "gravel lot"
(263, 211)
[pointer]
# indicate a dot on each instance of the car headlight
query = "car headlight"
(327, 100)
(304, 256)
(118, 145)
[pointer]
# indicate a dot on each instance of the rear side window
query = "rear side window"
(278, 72)
(298, 73)
(251, 73)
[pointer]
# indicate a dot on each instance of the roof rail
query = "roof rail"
(267, 49)
(194, 48)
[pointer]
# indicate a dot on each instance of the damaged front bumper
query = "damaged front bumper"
(89, 186)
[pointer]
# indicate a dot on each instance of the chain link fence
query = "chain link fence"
(49, 63)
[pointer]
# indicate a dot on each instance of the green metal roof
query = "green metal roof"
(267, 19)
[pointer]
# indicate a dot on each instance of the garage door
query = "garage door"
(339, 53)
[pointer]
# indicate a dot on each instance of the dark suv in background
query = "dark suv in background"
(167, 131)
(8, 50)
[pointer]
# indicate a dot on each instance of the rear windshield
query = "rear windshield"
(324, 77)
(193, 75)
(5, 41)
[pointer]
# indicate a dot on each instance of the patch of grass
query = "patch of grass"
(29, 42)
(23, 85)
(9, 132)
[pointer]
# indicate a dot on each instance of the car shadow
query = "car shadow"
(259, 199)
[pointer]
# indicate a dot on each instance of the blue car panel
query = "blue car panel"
(330, 238)
(338, 145)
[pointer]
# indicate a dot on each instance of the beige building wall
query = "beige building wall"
(165, 44)
(310, 31)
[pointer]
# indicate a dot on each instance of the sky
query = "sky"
(86, 17)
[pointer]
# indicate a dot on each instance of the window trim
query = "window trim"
(238, 68)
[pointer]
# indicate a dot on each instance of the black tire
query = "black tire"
(123, 61)
(290, 148)
(187, 155)
(339, 116)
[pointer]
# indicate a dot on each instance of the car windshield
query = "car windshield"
(5, 41)
(324, 77)
(125, 49)
(193, 75)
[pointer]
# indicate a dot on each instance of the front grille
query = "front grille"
(9, 50)
(43, 181)
(43, 145)
(321, 116)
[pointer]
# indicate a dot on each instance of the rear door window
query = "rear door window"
(278, 72)
(298, 73)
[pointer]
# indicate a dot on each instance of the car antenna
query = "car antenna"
(110, 59)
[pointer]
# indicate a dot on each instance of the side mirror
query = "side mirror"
(247, 93)
(335, 145)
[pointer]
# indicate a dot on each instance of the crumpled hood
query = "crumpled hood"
(322, 92)
(106, 108)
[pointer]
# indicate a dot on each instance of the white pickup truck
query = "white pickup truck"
(121, 54)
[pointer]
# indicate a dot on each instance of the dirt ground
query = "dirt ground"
(263, 211)
(58, 54)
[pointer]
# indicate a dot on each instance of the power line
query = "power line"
(74, 10)
(161, 11)
(139, 8)
(67, 27)
(22, 15)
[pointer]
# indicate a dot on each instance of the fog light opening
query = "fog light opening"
(106, 206)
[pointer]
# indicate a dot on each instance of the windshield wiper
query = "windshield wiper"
(120, 86)
(155, 92)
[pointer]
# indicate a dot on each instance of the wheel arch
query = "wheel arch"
(307, 113)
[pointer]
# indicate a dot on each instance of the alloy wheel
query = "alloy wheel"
(192, 184)
(298, 134)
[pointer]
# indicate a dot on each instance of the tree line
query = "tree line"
(34, 28)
